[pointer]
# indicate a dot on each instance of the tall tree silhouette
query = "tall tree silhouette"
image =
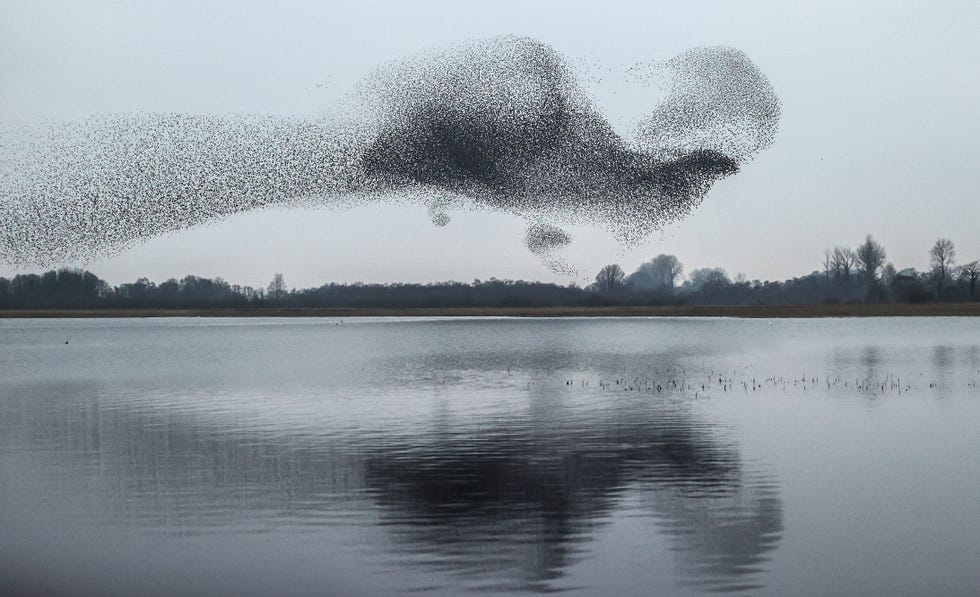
(870, 256)
(660, 273)
(941, 259)
(610, 278)
(277, 289)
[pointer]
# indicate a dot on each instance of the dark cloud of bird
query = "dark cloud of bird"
(499, 124)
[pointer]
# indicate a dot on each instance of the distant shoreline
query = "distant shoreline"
(741, 311)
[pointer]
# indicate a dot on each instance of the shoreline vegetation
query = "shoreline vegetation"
(738, 311)
(852, 283)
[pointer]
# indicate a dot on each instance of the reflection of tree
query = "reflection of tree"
(502, 502)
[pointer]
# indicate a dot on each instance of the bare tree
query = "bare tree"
(969, 273)
(828, 264)
(277, 289)
(660, 272)
(888, 274)
(844, 261)
(870, 256)
(941, 259)
(609, 278)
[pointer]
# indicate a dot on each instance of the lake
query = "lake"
(598, 456)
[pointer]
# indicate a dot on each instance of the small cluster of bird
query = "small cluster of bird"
(714, 383)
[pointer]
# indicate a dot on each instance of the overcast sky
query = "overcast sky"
(879, 134)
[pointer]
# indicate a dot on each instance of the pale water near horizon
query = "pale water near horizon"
(601, 456)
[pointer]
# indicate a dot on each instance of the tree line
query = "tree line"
(861, 274)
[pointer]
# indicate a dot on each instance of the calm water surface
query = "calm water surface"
(602, 456)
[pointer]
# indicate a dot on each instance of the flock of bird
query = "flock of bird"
(712, 383)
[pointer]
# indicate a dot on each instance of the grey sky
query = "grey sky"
(878, 134)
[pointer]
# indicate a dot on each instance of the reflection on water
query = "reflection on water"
(441, 456)
(537, 497)
(507, 507)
